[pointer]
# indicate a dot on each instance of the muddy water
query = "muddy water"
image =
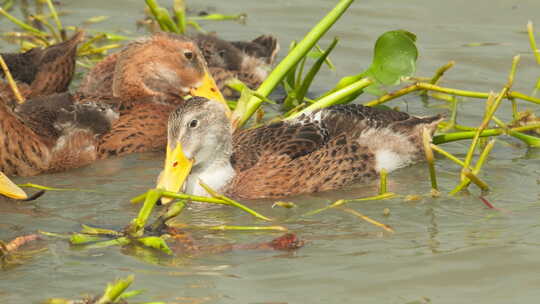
(448, 250)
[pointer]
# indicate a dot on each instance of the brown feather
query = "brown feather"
(324, 150)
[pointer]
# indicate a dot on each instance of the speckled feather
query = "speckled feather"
(324, 150)
(48, 137)
(45, 71)
(247, 61)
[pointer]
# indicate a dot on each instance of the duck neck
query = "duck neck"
(215, 172)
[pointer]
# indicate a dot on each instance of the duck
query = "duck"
(247, 61)
(144, 82)
(323, 150)
(42, 71)
(50, 134)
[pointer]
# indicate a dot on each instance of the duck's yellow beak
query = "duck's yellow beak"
(9, 189)
(175, 173)
(208, 89)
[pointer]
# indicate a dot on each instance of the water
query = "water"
(449, 249)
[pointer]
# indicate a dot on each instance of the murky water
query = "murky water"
(449, 249)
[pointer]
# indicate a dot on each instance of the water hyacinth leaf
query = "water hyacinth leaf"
(394, 57)
(156, 243)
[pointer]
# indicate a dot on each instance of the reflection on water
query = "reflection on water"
(441, 245)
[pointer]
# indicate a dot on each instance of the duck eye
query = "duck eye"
(189, 55)
(194, 123)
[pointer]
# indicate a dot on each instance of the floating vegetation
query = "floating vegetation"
(39, 29)
(180, 20)
(115, 292)
(10, 255)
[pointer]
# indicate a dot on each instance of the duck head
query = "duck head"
(199, 141)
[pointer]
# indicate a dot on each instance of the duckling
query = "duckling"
(323, 150)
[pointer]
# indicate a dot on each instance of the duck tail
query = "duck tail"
(270, 47)
(431, 122)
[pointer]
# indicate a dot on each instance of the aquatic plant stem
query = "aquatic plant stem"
(230, 202)
(368, 219)
(481, 160)
(440, 72)
(221, 200)
(455, 136)
(335, 97)
(243, 228)
(447, 155)
(11, 81)
(54, 14)
(114, 290)
(532, 41)
(426, 140)
(383, 183)
(242, 113)
(21, 24)
(431, 87)
(342, 202)
(494, 105)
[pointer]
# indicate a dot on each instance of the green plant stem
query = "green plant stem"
(491, 111)
(440, 72)
(243, 228)
(135, 229)
(481, 160)
(342, 202)
(335, 97)
(426, 140)
(431, 87)
(54, 14)
(476, 180)
(114, 290)
(383, 182)
(301, 49)
(447, 155)
(11, 81)
(227, 201)
(56, 34)
(532, 41)
(202, 199)
(179, 8)
(455, 136)
(21, 24)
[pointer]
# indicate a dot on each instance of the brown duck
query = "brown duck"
(326, 149)
(40, 72)
(51, 133)
(144, 82)
(247, 61)
(60, 131)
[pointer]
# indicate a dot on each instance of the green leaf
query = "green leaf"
(394, 57)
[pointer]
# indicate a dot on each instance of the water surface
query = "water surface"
(449, 249)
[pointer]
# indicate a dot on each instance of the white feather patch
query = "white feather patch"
(389, 160)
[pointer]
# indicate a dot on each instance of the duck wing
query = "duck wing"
(325, 150)
(140, 128)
